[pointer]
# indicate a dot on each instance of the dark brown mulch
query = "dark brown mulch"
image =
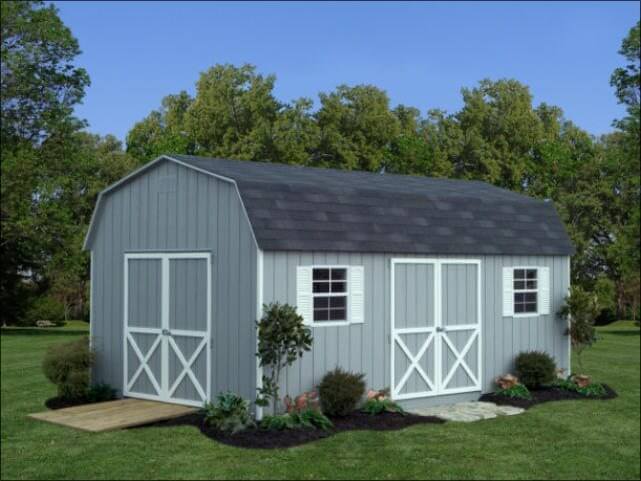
(59, 402)
(545, 395)
(263, 439)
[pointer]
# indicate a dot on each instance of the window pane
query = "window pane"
(321, 287)
(337, 315)
(531, 273)
(321, 274)
(519, 297)
(531, 284)
(530, 297)
(339, 274)
(519, 284)
(321, 302)
(337, 302)
(519, 273)
(518, 308)
(339, 287)
(530, 307)
(321, 314)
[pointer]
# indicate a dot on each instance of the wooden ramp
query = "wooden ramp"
(107, 416)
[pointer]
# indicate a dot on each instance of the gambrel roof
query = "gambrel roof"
(314, 209)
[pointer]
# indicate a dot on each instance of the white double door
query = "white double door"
(167, 326)
(436, 327)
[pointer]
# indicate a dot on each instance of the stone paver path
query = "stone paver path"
(468, 412)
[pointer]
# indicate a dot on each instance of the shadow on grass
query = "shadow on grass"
(36, 331)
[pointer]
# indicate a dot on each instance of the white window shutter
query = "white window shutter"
(544, 290)
(304, 299)
(356, 294)
(508, 291)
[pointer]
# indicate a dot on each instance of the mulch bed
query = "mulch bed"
(545, 395)
(262, 439)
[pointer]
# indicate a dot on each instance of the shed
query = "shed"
(427, 286)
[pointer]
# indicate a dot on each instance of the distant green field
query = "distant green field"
(562, 440)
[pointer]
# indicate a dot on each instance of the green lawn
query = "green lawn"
(582, 439)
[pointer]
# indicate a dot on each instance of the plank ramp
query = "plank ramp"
(112, 415)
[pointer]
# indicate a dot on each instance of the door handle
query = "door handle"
(440, 329)
(166, 332)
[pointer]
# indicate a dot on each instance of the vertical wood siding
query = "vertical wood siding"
(175, 208)
(366, 347)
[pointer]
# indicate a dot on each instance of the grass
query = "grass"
(563, 440)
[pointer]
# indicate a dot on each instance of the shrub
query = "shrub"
(45, 309)
(229, 414)
(282, 338)
(308, 418)
(517, 391)
(100, 393)
(340, 392)
(67, 366)
(535, 369)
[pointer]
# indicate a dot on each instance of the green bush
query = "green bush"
(67, 365)
(308, 418)
(229, 414)
(340, 392)
(518, 391)
(100, 393)
(45, 308)
(374, 407)
(535, 369)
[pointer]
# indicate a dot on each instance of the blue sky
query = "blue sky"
(420, 53)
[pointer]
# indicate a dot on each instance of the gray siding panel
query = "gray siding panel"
(172, 207)
(366, 347)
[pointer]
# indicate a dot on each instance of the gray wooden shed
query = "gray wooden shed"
(428, 286)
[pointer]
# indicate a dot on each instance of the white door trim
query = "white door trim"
(439, 380)
(166, 341)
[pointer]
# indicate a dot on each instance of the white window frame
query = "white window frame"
(345, 294)
(537, 291)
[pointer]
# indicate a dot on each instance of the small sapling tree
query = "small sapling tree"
(282, 339)
(581, 309)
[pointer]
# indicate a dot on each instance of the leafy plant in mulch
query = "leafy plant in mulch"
(590, 390)
(282, 339)
(341, 392)
(518, 391)
(305, 419)
(229, 414)
(379, 402)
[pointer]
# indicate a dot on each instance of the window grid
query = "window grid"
(329, 292)
(525, 291)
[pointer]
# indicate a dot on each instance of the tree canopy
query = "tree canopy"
(52, 168)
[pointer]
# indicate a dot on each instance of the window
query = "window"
(525, 291)
(329, 291)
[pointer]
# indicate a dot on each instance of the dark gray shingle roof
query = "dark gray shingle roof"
(313, 209)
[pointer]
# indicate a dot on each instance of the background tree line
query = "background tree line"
(52, 168)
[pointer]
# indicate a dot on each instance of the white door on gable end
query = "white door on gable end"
(167, 327)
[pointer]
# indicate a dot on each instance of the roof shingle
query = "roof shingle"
(314, 209)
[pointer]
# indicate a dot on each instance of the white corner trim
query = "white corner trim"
(569, 280)
(259, 314)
